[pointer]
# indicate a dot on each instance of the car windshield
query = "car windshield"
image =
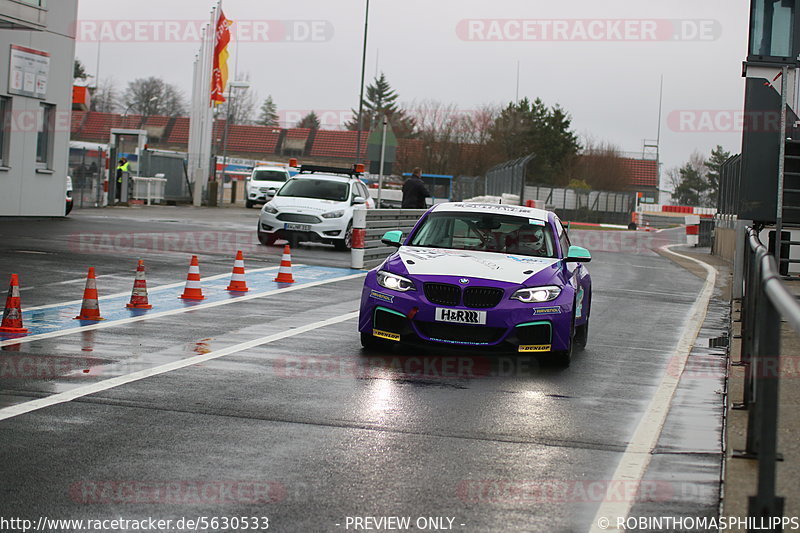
(487, 232)
(269, 175)
(317, 189)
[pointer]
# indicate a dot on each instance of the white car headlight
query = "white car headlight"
(334, 214)
(537, 294)
(394, 282)
(270, 209)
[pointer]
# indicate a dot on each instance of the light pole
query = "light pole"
(125, 114)
(361, 94)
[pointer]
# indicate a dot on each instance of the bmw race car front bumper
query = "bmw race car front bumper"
(509, 326)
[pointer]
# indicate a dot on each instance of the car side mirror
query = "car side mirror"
(271, 193)
(576, 254)
(393, 238)
(359, 200)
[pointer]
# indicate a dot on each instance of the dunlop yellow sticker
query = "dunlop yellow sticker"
(386, 335)
(535, 348)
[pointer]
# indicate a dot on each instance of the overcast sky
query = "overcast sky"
(601, 60)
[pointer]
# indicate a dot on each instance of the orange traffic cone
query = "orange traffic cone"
(285, 271)
(139, 293)
(12, 316)
(193, 290)
(90, 310)
(238, 283)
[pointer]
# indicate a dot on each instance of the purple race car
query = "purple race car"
(481, 275)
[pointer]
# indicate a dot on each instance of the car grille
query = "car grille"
(443, 293)
(460, 333)
(389, 321)
(482, 297)
(474, 297)
(294, 217)
(534, 334)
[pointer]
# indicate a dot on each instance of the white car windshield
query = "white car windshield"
(317, 189)
(486, 232)
(269, 175)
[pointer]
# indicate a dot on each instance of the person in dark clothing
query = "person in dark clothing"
(415, 192)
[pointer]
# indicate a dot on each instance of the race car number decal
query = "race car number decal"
(460, 316)
(535, 348)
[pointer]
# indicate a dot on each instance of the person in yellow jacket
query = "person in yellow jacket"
(122, 167)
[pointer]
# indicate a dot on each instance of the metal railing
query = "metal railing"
(369, 225)
(765, 302)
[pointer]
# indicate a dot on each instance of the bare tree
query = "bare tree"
(449, 140)
(153, 96)
(105, 98)
(601, 166)
(242, 101)
(439, 126)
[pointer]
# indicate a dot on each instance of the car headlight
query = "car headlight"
(394, 282)
(270, 209)
(334, 214)
(537, 294)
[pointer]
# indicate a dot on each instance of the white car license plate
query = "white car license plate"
(297, 227)
(460, 316)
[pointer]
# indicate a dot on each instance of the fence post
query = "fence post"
(748, 321)
(358, 241)
(766, 504)
(740, 252)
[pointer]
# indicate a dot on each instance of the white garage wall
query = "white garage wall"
(23, 190)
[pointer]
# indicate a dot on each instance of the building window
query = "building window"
(5, 116)
(44, 143)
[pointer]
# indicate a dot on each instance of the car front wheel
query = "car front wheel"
(267, 239)
(249, 204)
(581, 336)
(563, 358)
(347, 242)
(372, 343)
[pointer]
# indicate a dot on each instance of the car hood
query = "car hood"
(306, 205)
(485, 265)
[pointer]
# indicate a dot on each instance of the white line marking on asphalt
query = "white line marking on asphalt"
(634, 462)
(628, 347)
(79, 392)
(150, 316)
(149, 289)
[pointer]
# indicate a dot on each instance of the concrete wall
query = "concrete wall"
(24, 189)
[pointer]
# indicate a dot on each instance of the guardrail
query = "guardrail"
(369, 225)
(765, 301)
(149, 189)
